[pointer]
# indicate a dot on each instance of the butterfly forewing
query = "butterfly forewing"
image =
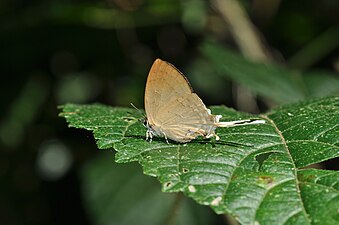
(164, 83)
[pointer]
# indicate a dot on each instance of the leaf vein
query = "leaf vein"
(324, 132)
(306, 121)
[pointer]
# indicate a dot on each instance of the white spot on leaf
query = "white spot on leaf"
(192, 189)
(216, 201)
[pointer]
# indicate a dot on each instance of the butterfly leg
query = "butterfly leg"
(217, 138)
(165, 137)
(149, 135)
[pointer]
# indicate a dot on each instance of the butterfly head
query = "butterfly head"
(144, 122)
(150, 132)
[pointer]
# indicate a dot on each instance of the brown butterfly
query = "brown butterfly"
(174, 111)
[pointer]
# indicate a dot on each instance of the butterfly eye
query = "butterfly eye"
(145, 123)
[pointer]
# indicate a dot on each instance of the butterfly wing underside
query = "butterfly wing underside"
(172, 109)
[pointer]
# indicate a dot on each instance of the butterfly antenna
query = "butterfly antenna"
(143, 114)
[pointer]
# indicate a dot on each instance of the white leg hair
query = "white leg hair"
(165, 137)
(149, 135)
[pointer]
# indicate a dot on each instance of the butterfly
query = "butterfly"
(174, 111)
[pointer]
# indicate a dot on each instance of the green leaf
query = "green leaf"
(253, 172)
(319, 190)
(321, 83)
(288, 85)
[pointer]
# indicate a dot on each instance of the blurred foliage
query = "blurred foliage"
(288, 85)
(113, 199)
(100, 51)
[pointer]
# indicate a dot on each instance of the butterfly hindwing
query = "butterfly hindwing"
(186, 118)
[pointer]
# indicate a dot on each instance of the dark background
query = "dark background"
(54, 52)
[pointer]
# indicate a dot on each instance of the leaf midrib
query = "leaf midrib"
(292, 162)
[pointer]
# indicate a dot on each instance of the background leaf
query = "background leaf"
(251, 173)
(288, 85)
(121, 194)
